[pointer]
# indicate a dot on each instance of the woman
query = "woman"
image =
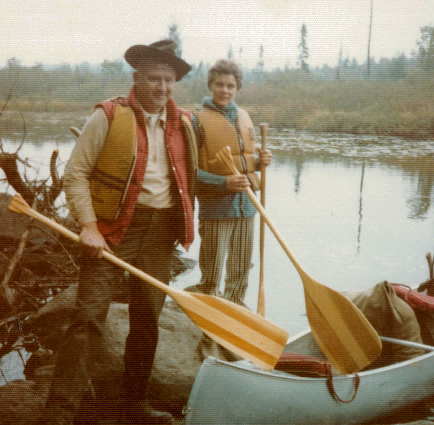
(226, 215)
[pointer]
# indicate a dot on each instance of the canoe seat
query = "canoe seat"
(312, 367)
(416, 300)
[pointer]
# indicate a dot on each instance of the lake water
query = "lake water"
(354, 211)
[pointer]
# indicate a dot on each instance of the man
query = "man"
(127, 186)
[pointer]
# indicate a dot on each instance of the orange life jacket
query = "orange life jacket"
(180, 157)
(217, 132)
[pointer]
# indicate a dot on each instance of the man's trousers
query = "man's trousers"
(148, 245)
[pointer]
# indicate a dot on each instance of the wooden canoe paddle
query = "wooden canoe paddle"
(232, 326)
(261, 295)
(340, 329)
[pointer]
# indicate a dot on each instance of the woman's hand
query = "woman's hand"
(265, 156)
(92, 241)
(237, 183)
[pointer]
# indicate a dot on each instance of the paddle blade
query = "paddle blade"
(19, 205)
(343, 333)
(234, 327)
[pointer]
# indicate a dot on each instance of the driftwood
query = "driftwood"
(9, 164)
(6, 293)
(36, 193)
(20, 293)
(56, 186)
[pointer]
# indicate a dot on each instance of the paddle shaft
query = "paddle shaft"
(107, 255)
(272, 227)
(261, 295)
(225, 156)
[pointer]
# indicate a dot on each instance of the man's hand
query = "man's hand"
(92, 241)
(265, 156)
(237, 183)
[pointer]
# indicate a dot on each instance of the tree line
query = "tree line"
(84, 82)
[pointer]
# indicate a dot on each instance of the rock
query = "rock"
(176, 363)
(50, 322)
(21, 403)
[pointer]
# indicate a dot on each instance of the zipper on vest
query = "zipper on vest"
(240, 142)
(130, 176)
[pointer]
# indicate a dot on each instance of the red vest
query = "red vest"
(115, 230)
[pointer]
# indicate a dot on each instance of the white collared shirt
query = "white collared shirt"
(156, 185)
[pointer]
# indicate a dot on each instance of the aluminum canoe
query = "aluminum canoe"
(241, 393)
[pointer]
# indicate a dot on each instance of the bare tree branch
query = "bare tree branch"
(9, 97)
(8, 162)
(56, 186)
(7, 293)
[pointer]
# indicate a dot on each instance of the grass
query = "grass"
(402, 108)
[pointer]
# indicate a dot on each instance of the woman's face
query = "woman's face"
(223, 89)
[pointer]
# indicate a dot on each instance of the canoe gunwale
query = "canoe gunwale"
(246, 366)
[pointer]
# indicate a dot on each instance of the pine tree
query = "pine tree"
(304, 51)
(174, 35)
(426, 49)
(260, 63)
(338, 68)
(369, 44)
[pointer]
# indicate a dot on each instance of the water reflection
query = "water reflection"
(299, 161)
(420, 201)
(360, 208)
(415, 158)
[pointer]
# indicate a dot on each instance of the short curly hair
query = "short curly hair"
(225, 66)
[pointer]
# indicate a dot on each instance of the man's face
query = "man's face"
(155, 84)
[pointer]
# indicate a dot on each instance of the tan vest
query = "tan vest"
(111, 176)
(216, 133)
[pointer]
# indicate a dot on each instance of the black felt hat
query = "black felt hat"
(164, 49)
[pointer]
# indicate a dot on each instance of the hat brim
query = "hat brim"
(136, 55)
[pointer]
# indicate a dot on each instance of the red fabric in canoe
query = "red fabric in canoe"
(303, 365)
(414, 299)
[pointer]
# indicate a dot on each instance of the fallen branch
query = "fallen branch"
(8, 162)
(9, 96)
(56, 186)
(7, 293)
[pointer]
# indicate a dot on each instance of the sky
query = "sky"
(75, 31)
